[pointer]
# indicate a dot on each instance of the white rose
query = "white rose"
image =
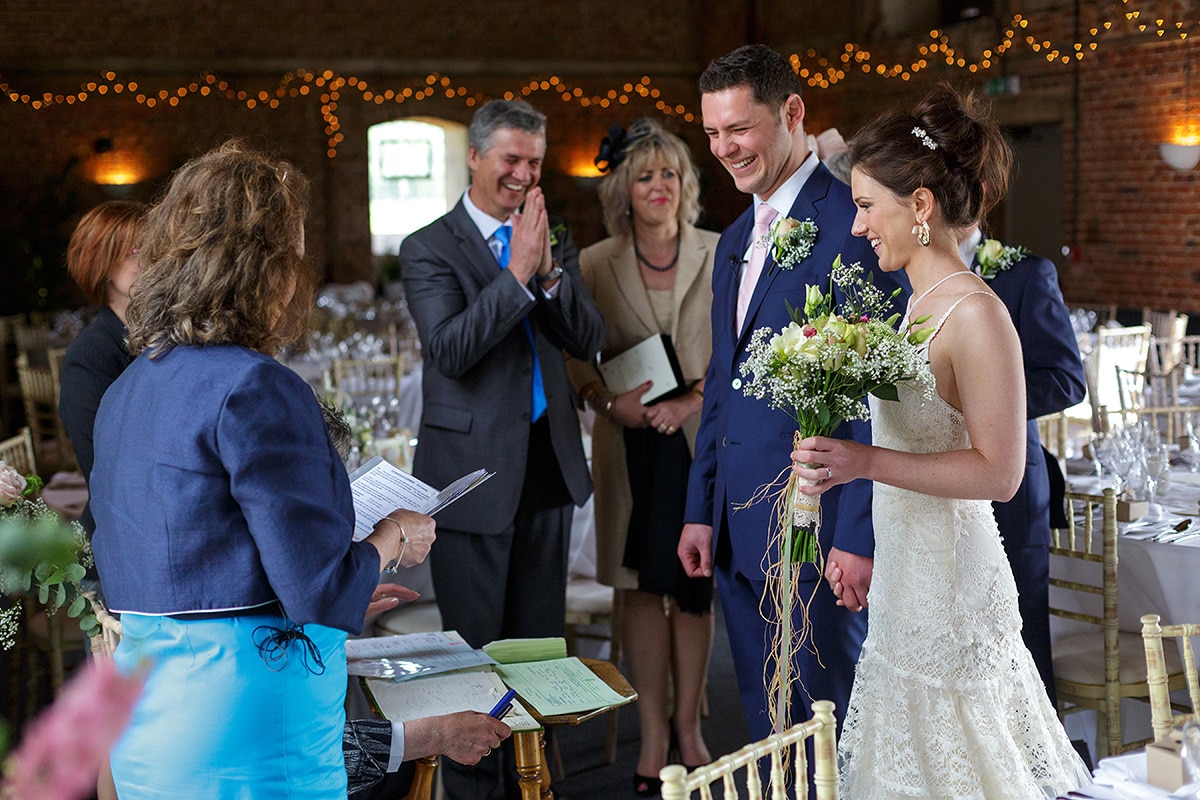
(990, 251)
(12, 484)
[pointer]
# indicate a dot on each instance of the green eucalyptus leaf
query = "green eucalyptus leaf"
(60, 597)
(42, 571)
(77, 606)
(75, 572)
(87, 622)
(886, 391)
(43, 594)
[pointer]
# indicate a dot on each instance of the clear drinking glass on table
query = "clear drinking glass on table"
(1191, 752)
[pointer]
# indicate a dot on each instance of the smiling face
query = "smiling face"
(885, 219)
(761, 147)
(654, 193)
(511, 166)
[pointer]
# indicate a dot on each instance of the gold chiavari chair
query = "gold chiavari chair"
(1170, 421)
(789, 747)
(1094, 668)
(1123, 348)
(17, 451)
(39, 391)
(1168, 329)
(1158, 679)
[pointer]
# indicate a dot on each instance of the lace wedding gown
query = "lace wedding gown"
(947, 702)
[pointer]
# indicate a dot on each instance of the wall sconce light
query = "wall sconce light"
(115, 170)
(583, 169)
(1183, 152)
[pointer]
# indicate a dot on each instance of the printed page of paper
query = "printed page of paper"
(414, 655)
(561, 686)
(446, 694)
(457, 489)
(379, 488)
(645, 361)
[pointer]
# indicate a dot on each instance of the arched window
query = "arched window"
(417, 172)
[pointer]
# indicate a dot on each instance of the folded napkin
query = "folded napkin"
(1125, 777)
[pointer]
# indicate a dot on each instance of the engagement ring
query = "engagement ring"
(828, 474)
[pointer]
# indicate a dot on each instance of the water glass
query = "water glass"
(1191, 751)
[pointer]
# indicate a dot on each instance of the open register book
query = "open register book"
(553, 684)
(379, 488)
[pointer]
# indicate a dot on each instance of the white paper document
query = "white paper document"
(412, 655)
(446, 694)
(379, 488)
(561, 686)
(651, 359)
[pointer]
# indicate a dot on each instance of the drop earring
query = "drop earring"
(921, 229)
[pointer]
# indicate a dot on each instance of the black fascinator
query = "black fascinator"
(612, 149)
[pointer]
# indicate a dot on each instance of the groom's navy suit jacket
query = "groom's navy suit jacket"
(1054, 381)
(743, 444)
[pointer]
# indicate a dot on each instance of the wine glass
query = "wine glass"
(1192, 454)
(1158, 472)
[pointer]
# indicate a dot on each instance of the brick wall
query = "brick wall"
(1131, 234)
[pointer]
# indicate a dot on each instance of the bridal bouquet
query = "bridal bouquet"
(39, 553)
(819, 369)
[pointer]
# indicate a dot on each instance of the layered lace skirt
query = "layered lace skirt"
(947, 702)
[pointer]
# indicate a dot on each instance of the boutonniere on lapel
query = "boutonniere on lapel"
(790, 240)
(992, 258)
(557, 231)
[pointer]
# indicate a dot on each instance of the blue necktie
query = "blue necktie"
(503, 235)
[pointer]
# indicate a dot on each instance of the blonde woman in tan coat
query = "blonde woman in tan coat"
(652, 275)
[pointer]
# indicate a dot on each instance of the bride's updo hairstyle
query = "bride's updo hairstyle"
(950, 144)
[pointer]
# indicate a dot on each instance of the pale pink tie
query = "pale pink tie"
(764, 216)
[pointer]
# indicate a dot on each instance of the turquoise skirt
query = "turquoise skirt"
(217, 720)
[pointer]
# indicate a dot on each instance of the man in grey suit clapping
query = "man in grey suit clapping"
(495, 290)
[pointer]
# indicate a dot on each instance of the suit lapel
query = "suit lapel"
(807, 206)
(692, 253)
(622, 263)
(476, 253)
(727, 272)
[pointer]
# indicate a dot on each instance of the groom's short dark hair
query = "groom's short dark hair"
(768, 74)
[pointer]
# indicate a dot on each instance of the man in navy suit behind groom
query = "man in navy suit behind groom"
(754, 119)
(1054, 381)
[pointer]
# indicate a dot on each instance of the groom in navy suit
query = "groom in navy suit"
(754, 119)
(1054, 381)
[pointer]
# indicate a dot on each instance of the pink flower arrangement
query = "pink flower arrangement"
(12, 485)
(62, 750)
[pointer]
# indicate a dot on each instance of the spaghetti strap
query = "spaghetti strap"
(937, 328)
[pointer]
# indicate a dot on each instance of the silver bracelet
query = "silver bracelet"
(393, 565)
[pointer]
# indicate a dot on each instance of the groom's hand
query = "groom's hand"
(695, 550)
(849, 575)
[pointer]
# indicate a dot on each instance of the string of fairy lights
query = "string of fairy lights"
(818, 71)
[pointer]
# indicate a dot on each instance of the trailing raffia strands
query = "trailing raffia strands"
(839, 348)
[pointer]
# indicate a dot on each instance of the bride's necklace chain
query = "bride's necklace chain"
(670, 265)
(913, 302)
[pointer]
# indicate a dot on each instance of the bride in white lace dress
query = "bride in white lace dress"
(947, 702)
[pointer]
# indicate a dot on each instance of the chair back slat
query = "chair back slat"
(786, 747)
(18, 453)
(1158, 679)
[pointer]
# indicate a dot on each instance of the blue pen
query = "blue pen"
(504, 706)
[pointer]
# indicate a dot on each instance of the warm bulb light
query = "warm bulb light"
(117, 168)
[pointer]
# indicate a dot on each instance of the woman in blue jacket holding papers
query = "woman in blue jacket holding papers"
(223, 513)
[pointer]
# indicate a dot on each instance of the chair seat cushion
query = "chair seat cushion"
(1079, 658)
(586, 596)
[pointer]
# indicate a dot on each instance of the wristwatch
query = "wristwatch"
(554, 274)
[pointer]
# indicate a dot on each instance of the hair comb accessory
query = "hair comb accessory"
(612, 149)
(920, 133)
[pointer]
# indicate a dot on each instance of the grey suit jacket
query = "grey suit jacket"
(478, 367)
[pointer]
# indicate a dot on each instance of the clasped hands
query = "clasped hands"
(665, 417)
(530, 245)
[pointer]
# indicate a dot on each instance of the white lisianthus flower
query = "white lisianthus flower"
(12, 485)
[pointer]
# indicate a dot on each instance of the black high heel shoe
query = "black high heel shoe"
(644, 786)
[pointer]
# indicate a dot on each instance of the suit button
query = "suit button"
(525, 416)
(737, 383)
(724, 442)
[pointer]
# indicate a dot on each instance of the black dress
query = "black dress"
(95, 359)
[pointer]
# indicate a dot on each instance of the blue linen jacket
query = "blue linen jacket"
(216, 487)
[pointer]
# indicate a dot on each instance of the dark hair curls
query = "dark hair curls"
(967, 171)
